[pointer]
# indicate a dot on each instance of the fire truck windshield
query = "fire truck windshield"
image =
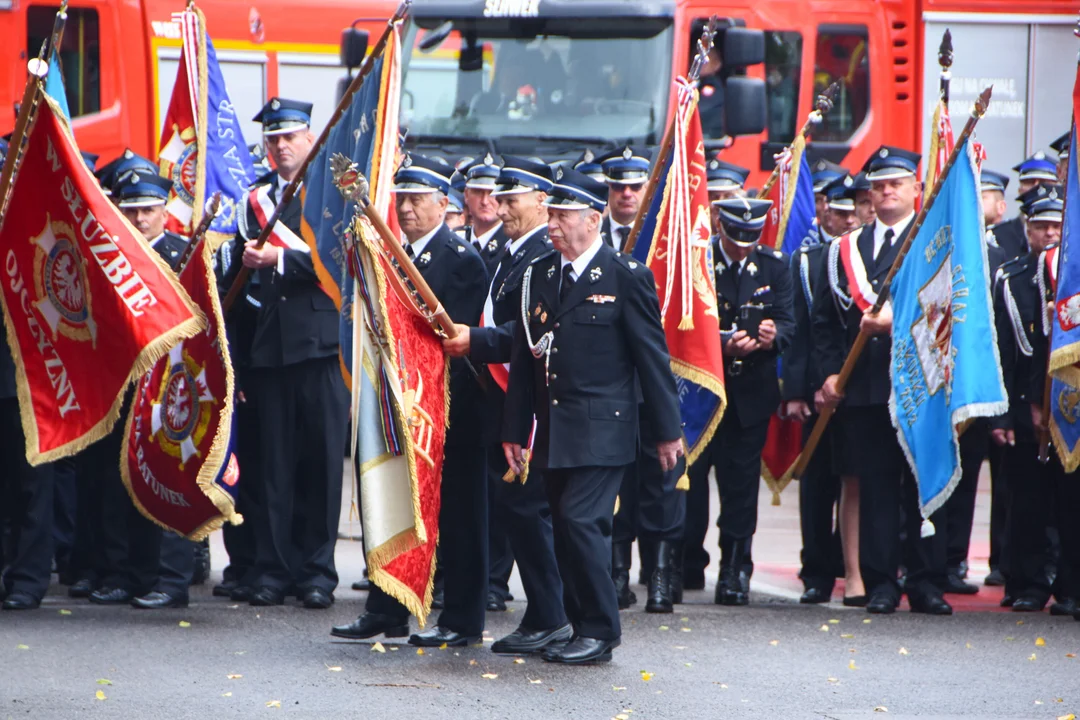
(549, 80)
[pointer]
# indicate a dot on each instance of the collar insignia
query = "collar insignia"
(551, 272)
(595, 274)
(425, 257)
(751, 268)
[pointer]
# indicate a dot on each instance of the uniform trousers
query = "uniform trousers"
(65, 513)
(28, 499)
(1028, 561)
(582, 502)
(865, 446)
(301, 412)
(819, 497)
(960, 507)
(463, 523)
(499, 551)
(649, 506)
(240, 539)
(999, 499)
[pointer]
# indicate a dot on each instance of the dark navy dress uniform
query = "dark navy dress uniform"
(753, 395)
(299, 402)
(606, 344)
(819, 487)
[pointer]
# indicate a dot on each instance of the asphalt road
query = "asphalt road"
(774, 659)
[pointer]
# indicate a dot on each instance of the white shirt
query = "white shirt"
(580, 264)
(421, 243)
(616, 240)
(514, 246)
(728, 260)
(481, 241)
(898, 229)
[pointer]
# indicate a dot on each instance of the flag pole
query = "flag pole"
(200, 232)
(945, 60)
(36, 70)
(822, 105)
(705, 44)
(977, 111)
(294, 185)
(353, 186)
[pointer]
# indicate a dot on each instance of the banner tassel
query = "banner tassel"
(684, 483)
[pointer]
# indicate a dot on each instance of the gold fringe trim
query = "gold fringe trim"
(1063, 358)
(684, 483)
(618, 504)
(201, 125)
(397, 545)
(714, 385)
(935, 146)
(778, 485)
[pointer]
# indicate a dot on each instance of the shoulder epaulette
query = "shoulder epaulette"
(629, 262)
(1013, 267)
(546, 254)
(771, 253)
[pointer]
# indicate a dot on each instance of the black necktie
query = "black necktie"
(567, 282)
(623, 233)
(885, 246)
(734, 270)
(409, 252)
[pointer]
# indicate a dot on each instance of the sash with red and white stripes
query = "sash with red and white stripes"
(280, 235)
(500, 372)
(855, 270)
(1052, 268)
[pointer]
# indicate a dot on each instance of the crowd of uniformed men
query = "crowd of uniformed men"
(536, 250)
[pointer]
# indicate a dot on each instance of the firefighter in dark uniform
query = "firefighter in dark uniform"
(1061, 147)
(822, 174)
(1036, 170)
(754, 297)
(1023, 289)
(865, 448)
(486, 231)
(588, 164)
(724, 180)
(521, 190)
(820, 489)
(589, 341)
(626, 172)
(299, 399)
(456, 274)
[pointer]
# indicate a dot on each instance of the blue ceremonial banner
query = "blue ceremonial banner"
(54, 85)
(229, 169)
(945, 364)
(366, 134)
(1065, 338)
(799, 208)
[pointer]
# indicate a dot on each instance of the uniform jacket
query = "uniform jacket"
(456, 274)
(607, 345)
(491, 252)
(491, 345)
(801, 377)
(1011, 237)
(171, 247)
(297, 321)
(834, 328)
(752, 384)
(605, 233)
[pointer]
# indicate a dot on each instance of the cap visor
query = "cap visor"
(285, 129)
(138, 202)
(889, 174)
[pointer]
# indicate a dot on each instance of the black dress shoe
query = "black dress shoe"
(524, 641)
(855, 600)
(495, 603)
(1063, 608)
(318, 599)
(158, 600)
(438, 599)
(369, 625)
(1028, 604)
(81, 588)
(362, 585)
(439, 636)
(881, 604)
(21, 601)
(110, 596)
(583, 650)
(994, 579)
(241, 593)
(955, 585)
(930, 605)
(224, 589)
(814, 596)
(266, 596)
(1007, 600)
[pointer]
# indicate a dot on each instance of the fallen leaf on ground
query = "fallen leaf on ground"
(774, 643)
(866, 621)
(378, 647)
(824, 628)
(1070, 655)
(1038, 702)
(473, 662)
(519, 661)
(723, 686)
(1009, 638)
(617, 688)
(1070, 716)
(881, 708)
(1019, 622)
(834, 621)
(65, 612)
(684, 619)
(903, 651)
(686, 629)
(664, 627)
(848, 636)
(273, 703)
(967, 645)
(851, 665)
(1032, 658)
(99, 695)
(228, 694)
(489, 676)
(394, 648)
(22, 647)
(688, 664)
(419, 651)
(336, 668)
(1039, 642)
(622, 716)
(833, 680)
(535, 682)
(646, 676)
(185, 624)
(679, 647)
(443, 646)
(103, 681)
(234, 676)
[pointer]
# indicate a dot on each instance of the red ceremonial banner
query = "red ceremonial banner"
(177, 462)
(89, 306)
(179, 152)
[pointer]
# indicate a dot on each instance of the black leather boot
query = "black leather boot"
(677, 574)
(202, 563)
(646, 550)
(620, 573)
(734, 588)
(660, 596)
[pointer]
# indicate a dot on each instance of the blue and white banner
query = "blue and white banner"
(945, 364)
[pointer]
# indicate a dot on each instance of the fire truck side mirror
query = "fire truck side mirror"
(743, 47)
(354, 44)
(744, 105)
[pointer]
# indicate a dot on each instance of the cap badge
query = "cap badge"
(1053, 195)
(747, 215)
(1040, 155)
(632, 265)
(589, 157)
(488, 160)
(275, 104)
(884, 153)
(134, 180)
(558, 173)
(407, 162)
(848, 182)
(714, 164)
(128, 154)
(627, 153)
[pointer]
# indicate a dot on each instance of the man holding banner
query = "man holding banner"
(295, 383)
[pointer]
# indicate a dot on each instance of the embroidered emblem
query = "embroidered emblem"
(488, 160)
(551, 272)
(492, 245)
(752, 269)
(884, 153)
(275, 104)
(425, 257)
(543, 317)
(595, 274)
(539, 309)
(632, 264)
(601, 299)
(407, 162)
(461, 248)
(180, 415)
(777, 254)
(627, 153)
(558, 173)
